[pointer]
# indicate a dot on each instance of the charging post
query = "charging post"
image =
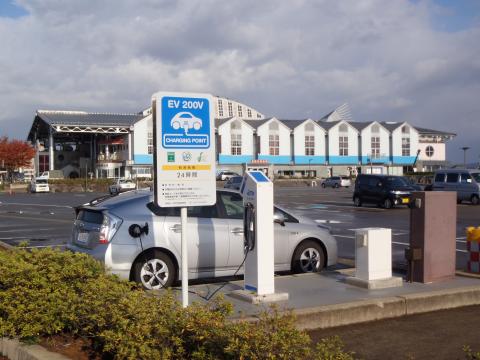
(259, 285)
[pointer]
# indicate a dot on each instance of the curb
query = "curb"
(322, 317)
(15, 350)
(6, 246)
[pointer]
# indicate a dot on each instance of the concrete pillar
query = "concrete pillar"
(50, 150)
(130, 150)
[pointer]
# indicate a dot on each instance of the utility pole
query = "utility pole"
(465, 148)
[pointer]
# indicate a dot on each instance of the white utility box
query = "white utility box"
(373, 259)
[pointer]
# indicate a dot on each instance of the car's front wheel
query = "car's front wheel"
(323, 185)
(387, 203)
(154, 270)
(308, 257)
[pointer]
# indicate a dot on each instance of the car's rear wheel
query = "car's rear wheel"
(154, 270)
(336, 186)
(308, 257)
(387, 203)
(475, 200)
(357, 201)
(323, 185)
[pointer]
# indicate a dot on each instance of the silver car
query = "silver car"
(336, 181)
(215, 239)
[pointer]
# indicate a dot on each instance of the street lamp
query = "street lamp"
(465, 148)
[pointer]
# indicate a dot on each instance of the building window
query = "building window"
(309, 145)
(236, 141)
(274, 144)
(230, 109)
(375, 148)
(43, 163)
(150, 142)
(249, 113)
(240, 112)
(375, 128)
(259, 116)
(343, 145)
(405, 146)
(220, 108)
(429, 151)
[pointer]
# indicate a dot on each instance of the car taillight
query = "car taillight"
(109, 227)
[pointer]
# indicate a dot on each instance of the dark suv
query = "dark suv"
(383, 190)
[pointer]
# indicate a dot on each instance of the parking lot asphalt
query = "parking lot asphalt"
(46, 219)
(320, 300)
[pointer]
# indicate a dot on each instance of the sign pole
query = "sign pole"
(183, 215)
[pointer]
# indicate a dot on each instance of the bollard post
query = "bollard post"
(473, 248)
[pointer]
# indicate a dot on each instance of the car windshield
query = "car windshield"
(398, 181)
(41, 181)
(476, 176)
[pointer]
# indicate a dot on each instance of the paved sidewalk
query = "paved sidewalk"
(324, 300)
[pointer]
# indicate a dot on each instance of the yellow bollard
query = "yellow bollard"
(473, 247)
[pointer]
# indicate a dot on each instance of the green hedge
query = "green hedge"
(46, 292)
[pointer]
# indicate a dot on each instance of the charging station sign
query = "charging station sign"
(184, 136)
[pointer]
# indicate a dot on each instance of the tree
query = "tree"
(15, 154)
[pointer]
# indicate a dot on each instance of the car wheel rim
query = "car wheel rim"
(154, 274)
(310, 260)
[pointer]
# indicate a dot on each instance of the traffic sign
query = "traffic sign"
(184, 135)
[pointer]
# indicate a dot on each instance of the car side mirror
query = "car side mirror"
(279, 218)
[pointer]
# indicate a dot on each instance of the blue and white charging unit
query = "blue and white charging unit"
(259, 286)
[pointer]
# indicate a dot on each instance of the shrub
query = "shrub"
(332, 349)
(46, 292)
(469, 354)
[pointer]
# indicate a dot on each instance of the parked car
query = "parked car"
(465, 182)
(39, 185)
(225, 175)
(382, 190)
(52, 174)
(215, 238)
(336, 181)
(121, 185)
(234, 183)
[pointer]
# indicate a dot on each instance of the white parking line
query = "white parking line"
(59, 206)
(393, 242)
(24, 230)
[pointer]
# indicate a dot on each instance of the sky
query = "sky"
(397, 60)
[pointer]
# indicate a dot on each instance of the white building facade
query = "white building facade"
(113, 145)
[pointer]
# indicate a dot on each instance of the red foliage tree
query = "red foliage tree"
(15, 154)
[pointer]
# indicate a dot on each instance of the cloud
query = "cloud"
(294, 59)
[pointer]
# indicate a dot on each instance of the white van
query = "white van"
(39, 185)
(465, 182)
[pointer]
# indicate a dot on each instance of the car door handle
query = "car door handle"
(237, 231)
(176, 228)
